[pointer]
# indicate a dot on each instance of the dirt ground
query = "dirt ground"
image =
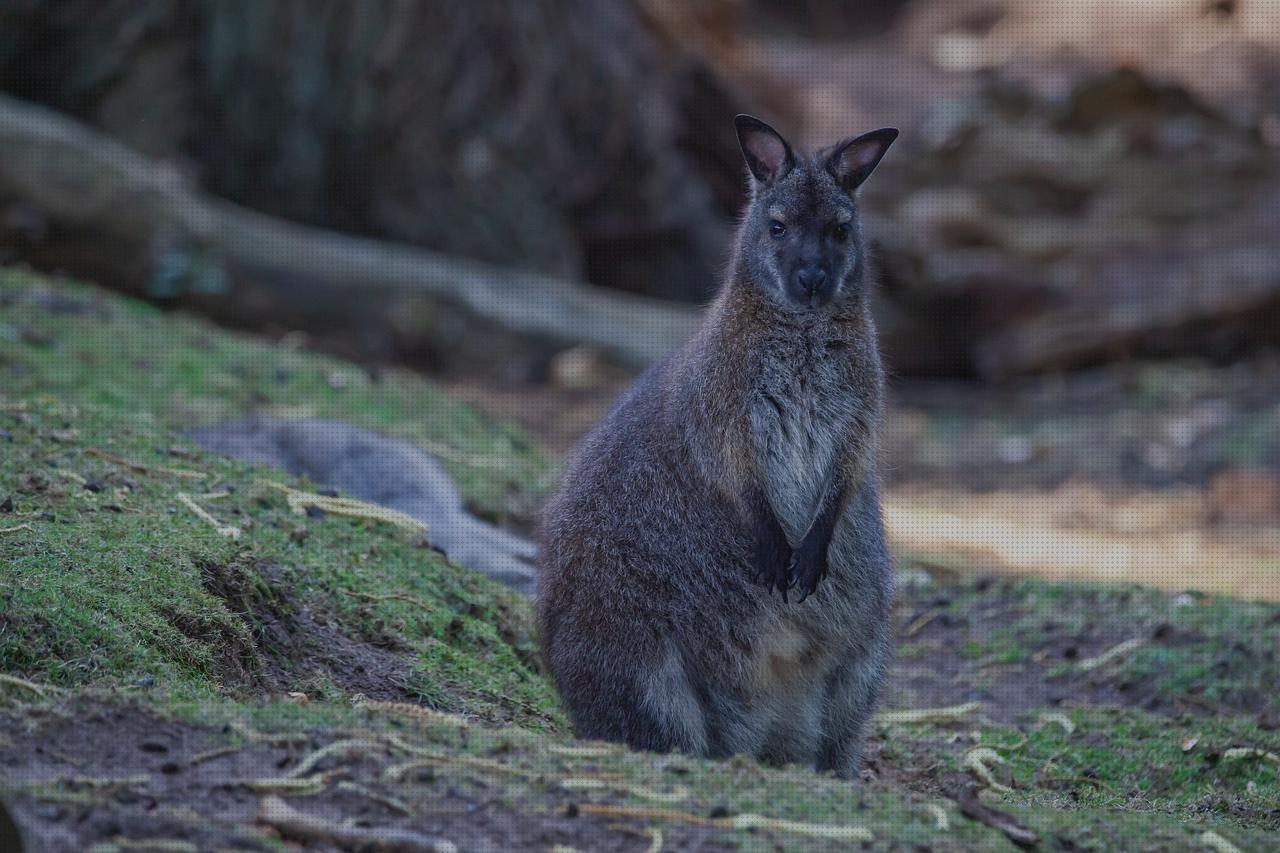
(121, 773)
(91, 770)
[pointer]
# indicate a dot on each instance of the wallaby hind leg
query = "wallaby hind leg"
(795, 736)
(851, 697)
(649, 708)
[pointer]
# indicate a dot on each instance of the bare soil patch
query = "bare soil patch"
(120, 772)
(293, 645)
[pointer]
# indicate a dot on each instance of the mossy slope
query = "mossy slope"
(114, 587)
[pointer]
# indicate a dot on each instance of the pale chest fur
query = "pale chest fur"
(804, 415)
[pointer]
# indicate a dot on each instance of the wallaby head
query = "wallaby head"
(799, 239)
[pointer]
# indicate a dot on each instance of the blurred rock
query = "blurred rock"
(1243, 497)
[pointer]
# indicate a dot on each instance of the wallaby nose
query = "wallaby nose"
(811, 277)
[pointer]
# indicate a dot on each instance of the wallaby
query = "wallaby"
(713, 573)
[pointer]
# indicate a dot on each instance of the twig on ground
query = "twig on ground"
(929, 715)
(146, 469)
(355, 746)
(299, 501)
(582, 751)
(1112, 654)
(272, 738)
(155, 845)
(26, 525)
(976, 761)
(1244, 752)
(417, 712)
(308, 786)
(292, 823)
(427, 759)
(973, 808)
(1058, 718)
(210, 755)
(675, 795)
(14, 681)
(227, 530)
(918, 625)
(940, 819)
(1213, 840)
(106, 782)
(370, 794)
(833, 832)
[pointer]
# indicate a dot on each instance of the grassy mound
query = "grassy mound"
(134, 558)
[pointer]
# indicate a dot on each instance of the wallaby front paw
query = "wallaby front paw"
(807, 569)
(771, 568)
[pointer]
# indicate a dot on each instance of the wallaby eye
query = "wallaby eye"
(842, 231)
(777, 228)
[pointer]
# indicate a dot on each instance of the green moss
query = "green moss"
(1132, 760)
(114, 580)
(127, 583)
(78, 344)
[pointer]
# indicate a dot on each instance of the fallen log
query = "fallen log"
(69, 177)
(1159, 299)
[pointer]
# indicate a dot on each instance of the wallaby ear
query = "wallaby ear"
(853, 162)
(767, 154)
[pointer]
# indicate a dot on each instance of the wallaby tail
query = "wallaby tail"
(386, 471)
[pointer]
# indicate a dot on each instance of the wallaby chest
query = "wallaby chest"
(804, 413)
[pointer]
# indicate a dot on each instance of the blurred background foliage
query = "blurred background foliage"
(1070, 189)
